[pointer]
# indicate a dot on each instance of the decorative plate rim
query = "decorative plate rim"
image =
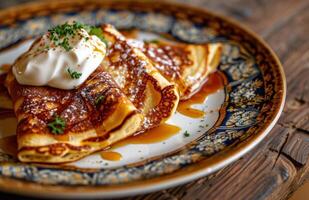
(181, 176)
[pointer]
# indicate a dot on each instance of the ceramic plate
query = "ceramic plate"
(238, 115)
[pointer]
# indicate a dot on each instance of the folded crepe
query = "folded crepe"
(185, 65)
(56, 126)
(141, 82)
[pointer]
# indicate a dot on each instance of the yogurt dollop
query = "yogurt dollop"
(64, 66)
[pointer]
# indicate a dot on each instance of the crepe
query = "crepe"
(151, 93)
(185, 65)
(96, 114)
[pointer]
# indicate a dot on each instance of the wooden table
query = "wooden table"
(279, 164)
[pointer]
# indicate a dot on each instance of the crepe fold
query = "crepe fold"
(96, 114)
(141, 82)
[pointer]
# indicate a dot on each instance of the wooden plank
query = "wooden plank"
(252, 178)
(294, 54)
(285, 190)
(297, 147)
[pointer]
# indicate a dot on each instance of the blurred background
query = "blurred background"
(7, 3)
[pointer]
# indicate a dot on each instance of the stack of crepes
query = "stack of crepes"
(136, 87)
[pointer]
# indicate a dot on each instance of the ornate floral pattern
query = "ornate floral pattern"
(189, 32)
(247, 94)
(241, 118)
(237, 62)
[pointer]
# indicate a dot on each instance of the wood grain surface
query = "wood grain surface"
(279, 164)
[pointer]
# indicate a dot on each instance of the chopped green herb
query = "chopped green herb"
(63, 30)
(152, 41)
(79, 25)
(57, 126)
(74, 74)
(99, 99)
(186, 134)
(61, 33)
(98, 32)
(65, 44)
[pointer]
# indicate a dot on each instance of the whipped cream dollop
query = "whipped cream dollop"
(63, 63)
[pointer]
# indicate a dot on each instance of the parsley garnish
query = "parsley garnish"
(152, 41)
(63, 30)
(74, 74)
(57, 126)
(47, 47)
(65, 44)
(60, 34)
(186, 134)
(79, 25)
(98, 32)
(99, 99)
